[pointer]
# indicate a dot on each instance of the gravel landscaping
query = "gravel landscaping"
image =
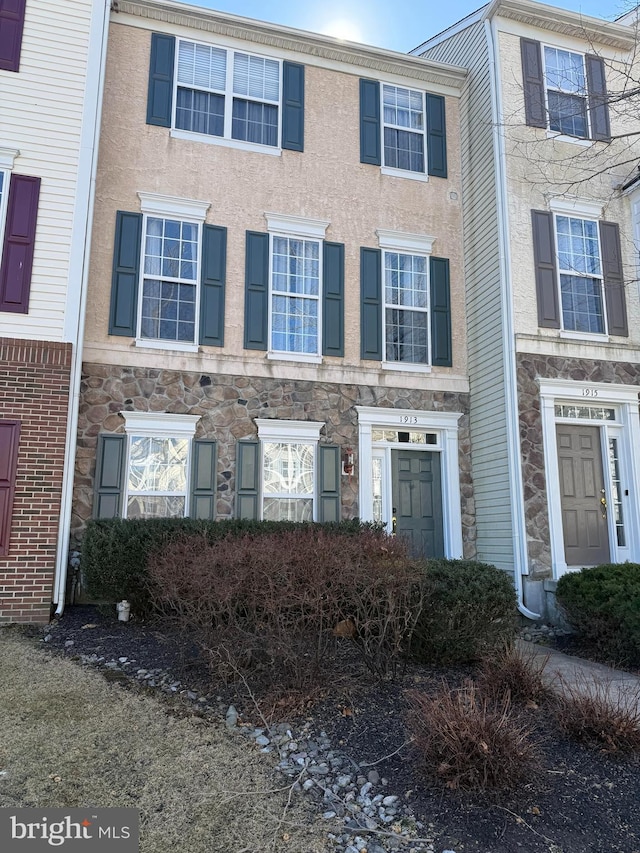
(346, 756)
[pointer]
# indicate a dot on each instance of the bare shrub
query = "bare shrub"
(468, 741)
(600, 713)
(276, 602)
(514, 672)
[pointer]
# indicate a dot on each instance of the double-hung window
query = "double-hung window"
(157, 473)
(289, 451)
(295, 275)
(566, 90)
(406, 309)
(403, 115)
(227, 93)
(580, 274)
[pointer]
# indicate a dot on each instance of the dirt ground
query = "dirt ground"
(70, 739)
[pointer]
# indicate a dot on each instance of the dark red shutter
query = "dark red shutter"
(19, 239)
(11, 24)
(9, 437)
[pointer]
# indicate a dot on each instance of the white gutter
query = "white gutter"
(520, 557)
(79, 271)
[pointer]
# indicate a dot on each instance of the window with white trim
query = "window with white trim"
(159, 451)
(169, 295)
(227, 93)
(580, 274)
(295, 285)
(289, 453)
(566, 92)
(406, 308)
(404, 128)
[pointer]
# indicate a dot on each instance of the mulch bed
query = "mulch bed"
(580, 801)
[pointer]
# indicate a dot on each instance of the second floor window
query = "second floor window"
(566, 87)
(404, 128)
(168, 296)
(406, 315)
(580, 273)
(227, 93)
(295, 295)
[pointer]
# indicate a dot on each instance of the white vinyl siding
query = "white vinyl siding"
(484, 306)
(42, 111)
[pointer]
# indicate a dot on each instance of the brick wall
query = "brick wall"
(34, 389)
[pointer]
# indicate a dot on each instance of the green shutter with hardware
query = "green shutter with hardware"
(214, 263)
(370, 136)
(160, 91)
(436, 136)
(328, 482)
(247, 479)
(440, 312)
(203, 479)
(126, 271)
(256, 291)
(371, 304)
(333, 299)
(293, 106)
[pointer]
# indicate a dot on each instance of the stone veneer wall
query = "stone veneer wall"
(228, 406)
(531, 368)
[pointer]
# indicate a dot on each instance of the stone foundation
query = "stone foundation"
(228, 406)
(530, 369)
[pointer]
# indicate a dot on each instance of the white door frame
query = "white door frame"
(626, 428)
(445, 425)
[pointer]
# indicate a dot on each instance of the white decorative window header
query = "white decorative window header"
(173, 207)
(401, 241)
(576, 207)
(298, 225)
(7, 157)
(271, 429)
(158, 425)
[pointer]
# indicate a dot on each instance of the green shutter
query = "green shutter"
(160, 92)
(329, 482)
(109, 479)
(256, 293)
(247, 479)
(126, 270)
(436, 136)
(203, 479)
(333, 299)
(440, 312)
(370, 137)
(371, 304)
(293, 106)
(214, 263)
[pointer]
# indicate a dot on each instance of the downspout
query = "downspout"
(77, 295)
(520, 567)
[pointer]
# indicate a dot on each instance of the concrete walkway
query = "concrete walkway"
(583, 675)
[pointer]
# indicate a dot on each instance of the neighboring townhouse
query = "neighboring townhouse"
(50, 74)
(275, 324)
(552, 287)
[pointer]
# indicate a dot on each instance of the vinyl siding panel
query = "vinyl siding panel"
(42, 107)
(489, 451)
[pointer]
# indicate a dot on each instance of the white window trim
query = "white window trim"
(626, 428)
(576, 333)
(407, 244)
(558, 134)
(276, 431)
(394, 170)
(582, 208)
(293, 227)
(7, 161)
(443, 423)
(185, 210)
(152, 425)
(227, 140)
(8, 157)
(173, 207)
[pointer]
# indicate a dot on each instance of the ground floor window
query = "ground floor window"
(289, 456)
(158, 457)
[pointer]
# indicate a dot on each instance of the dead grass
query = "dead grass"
(69, 739)
(600, 714)
(515, 672)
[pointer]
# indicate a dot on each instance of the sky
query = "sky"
(394, 24)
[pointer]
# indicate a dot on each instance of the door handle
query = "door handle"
(394, 522)
(603, 502)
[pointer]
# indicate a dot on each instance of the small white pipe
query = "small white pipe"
(77, 297)
(520, 556)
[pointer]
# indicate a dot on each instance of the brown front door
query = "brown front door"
(584, 522)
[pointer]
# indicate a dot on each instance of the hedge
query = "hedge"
(602, 604)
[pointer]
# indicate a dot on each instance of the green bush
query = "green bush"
(602, 604)
(469, 609)
(115, 552)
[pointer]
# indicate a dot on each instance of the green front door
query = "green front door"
(417, 501)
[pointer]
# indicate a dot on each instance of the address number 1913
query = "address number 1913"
(590, 392)
(408, 419)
